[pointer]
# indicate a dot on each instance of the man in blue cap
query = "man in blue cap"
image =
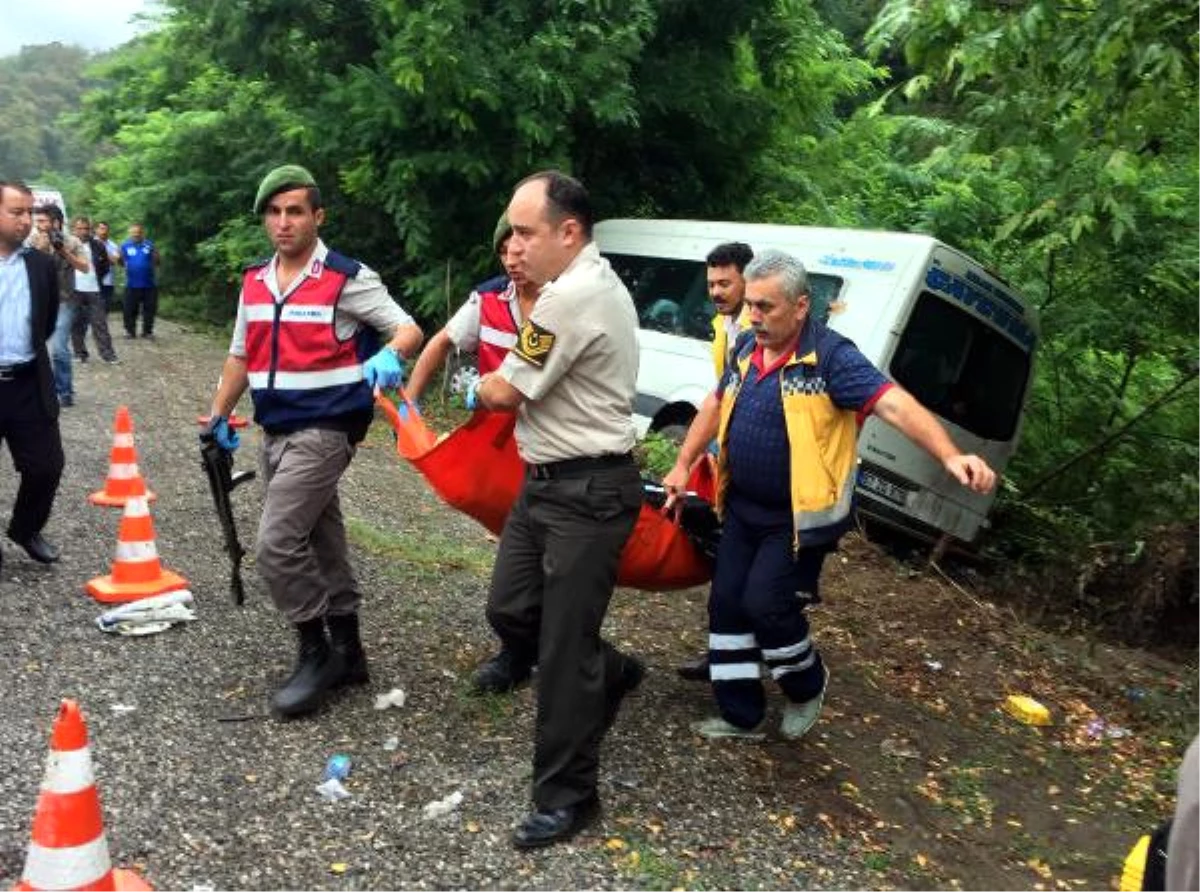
(305, 345)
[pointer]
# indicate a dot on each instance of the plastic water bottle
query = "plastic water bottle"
(337, 768)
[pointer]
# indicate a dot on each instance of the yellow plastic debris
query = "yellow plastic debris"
(1027, 710)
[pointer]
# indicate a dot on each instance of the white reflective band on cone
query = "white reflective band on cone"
(122, 472)
(122, 440)
(137, 506)
(68, 772)
(68, 868)
(136, 552)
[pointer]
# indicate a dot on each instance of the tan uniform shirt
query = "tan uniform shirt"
(576, 363)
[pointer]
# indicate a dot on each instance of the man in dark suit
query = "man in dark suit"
(28, 404)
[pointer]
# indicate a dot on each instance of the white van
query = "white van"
(953, 334)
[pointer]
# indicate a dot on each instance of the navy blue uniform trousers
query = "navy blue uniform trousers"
(756, 615)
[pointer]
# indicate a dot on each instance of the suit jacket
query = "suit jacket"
(44, 297)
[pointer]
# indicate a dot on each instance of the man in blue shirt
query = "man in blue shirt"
(787, 411)
(140, 259)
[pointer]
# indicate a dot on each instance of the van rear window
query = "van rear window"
(961, 368)
(672, 295)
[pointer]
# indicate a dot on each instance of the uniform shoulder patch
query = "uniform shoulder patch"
(534, 343)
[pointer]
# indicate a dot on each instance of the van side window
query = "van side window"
(672, 295)
(823, 291)
(961, 368)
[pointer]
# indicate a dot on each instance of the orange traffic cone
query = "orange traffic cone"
(124, 480)
(136, 570)
(69, 849)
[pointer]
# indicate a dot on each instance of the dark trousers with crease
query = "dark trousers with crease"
(551, 585)
(36, 447)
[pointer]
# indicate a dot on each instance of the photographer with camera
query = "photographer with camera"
(70, 256)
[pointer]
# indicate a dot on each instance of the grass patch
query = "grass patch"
(430, 551)
(966, 794)
(652, 869)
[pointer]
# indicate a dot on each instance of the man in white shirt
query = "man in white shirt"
(90, 307)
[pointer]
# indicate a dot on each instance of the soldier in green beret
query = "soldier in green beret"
(306, 346)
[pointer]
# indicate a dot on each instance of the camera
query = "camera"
(56, 239)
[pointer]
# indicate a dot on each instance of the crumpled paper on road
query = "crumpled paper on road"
(149, 615)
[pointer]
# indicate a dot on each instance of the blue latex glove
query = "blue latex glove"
(471, 396)
(384, 370)
(226, 437)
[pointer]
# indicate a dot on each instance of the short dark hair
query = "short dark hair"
(53, 211)
(82, 219)
(565, 197)
(16, 185)
(730, 254)
(314, 197)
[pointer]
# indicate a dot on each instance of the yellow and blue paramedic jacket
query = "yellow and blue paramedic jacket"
(827, 387)
(720, 343)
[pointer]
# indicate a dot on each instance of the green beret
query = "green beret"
(289, 176)
(501, 232)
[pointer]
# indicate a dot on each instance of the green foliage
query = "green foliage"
(656, 455)
(38, 86)
(1053, 140)
(1069, 160)
(418, 118)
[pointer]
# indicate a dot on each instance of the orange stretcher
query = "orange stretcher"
(476, 470)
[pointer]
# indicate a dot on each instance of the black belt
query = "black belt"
(20, 370)
(573, 467)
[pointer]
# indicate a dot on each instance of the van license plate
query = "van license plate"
(876, 485)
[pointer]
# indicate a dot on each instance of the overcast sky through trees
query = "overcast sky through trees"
(91, 25)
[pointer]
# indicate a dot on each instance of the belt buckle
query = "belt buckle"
(7, 373)
(539, 472)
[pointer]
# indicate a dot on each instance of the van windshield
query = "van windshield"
(961, 368)
(672, 295)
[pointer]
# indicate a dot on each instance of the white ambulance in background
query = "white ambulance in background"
(956, 336)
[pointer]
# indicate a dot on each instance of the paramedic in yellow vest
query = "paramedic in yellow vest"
(786, 414)
(727, 289)
(306, 343)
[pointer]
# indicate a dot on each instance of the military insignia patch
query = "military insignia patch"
(534, 344)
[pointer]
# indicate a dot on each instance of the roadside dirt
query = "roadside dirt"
(915, 777)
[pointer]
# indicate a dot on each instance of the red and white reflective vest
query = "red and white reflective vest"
(300, 371)
(498, 326)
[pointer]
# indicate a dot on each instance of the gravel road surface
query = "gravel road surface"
(201, 788)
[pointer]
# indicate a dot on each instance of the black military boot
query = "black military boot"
(343, 635)
(318, 670)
